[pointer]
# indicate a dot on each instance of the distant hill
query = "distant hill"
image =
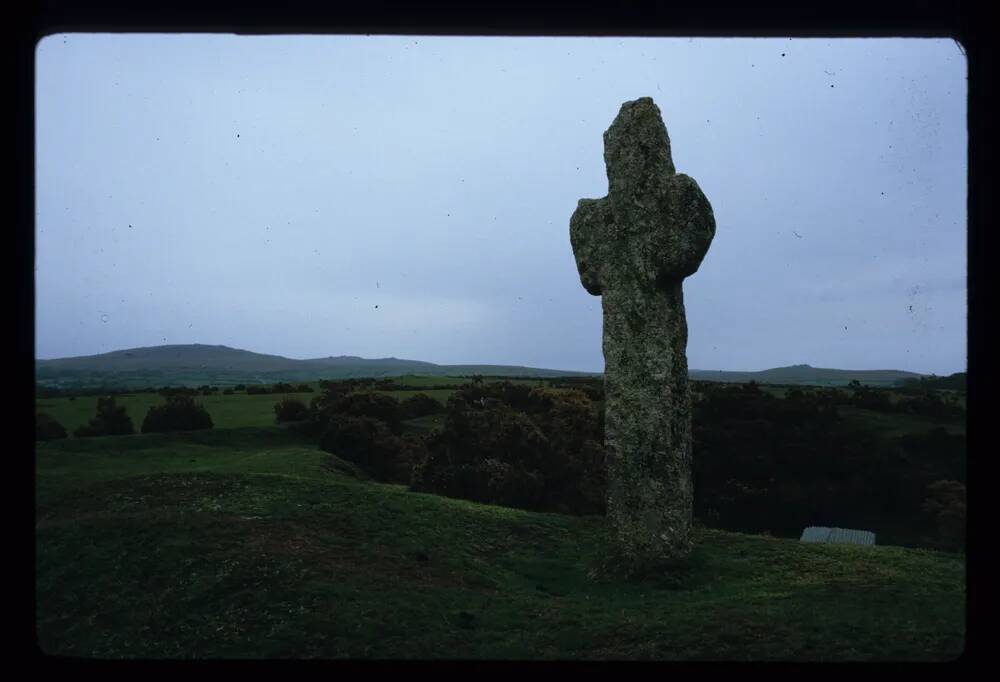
(198, 364)
(808, 375)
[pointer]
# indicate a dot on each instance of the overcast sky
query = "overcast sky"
(410, 196)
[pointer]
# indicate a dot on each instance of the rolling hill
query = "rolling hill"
(197, 364)
(806, 374)
(200, 364)
(252, 543)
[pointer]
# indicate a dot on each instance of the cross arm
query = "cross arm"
(587, 230)
(684, 245)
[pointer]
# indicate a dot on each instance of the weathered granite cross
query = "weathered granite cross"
(634, 248)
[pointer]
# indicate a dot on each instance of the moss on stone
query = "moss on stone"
(633, 248)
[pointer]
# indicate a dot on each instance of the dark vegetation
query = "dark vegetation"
(778, 465)
(763, 464)
(279, 388)
(177, 413)
(419, 405)
(371, 445)
(954, 382)
(511, 444)
(290, 410)
(47, 428)
(110, 420)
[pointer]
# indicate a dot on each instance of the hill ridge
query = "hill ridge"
(216, 363)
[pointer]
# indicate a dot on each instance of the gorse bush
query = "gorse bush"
(110, 420)
(333, 402)
(47, 428)
(544, 454)
(419, 405)
(178, 413)
(368, 443)
(290, 410)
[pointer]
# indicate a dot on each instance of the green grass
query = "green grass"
(228, 411)
(251, 543)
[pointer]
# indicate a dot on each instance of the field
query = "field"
(228, 411)
(247, 541)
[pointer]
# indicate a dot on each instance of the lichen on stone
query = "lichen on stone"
(634, 248)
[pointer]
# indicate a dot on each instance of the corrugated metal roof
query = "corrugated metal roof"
(842, 536)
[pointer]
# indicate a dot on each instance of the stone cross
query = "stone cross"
(634, 248)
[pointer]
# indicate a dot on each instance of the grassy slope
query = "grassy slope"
(245, 543)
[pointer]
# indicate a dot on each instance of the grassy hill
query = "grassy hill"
(198, 364)
(808, 375)
(249, 542)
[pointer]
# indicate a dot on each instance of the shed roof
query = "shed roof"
(842, 536)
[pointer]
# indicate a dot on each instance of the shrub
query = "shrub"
(227, 391)
(368, 443)
(178, 413)
(547, 457)
(419, 405)
(110, 420)
(368, 404)
(290, 410)
(946, 506)
(47, 428)
(516, 396)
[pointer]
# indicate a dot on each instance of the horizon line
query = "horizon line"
(498, 364)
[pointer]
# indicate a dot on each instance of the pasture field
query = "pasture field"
(251, 543)
(228, 411)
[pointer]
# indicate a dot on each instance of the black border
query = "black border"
(962, 20)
